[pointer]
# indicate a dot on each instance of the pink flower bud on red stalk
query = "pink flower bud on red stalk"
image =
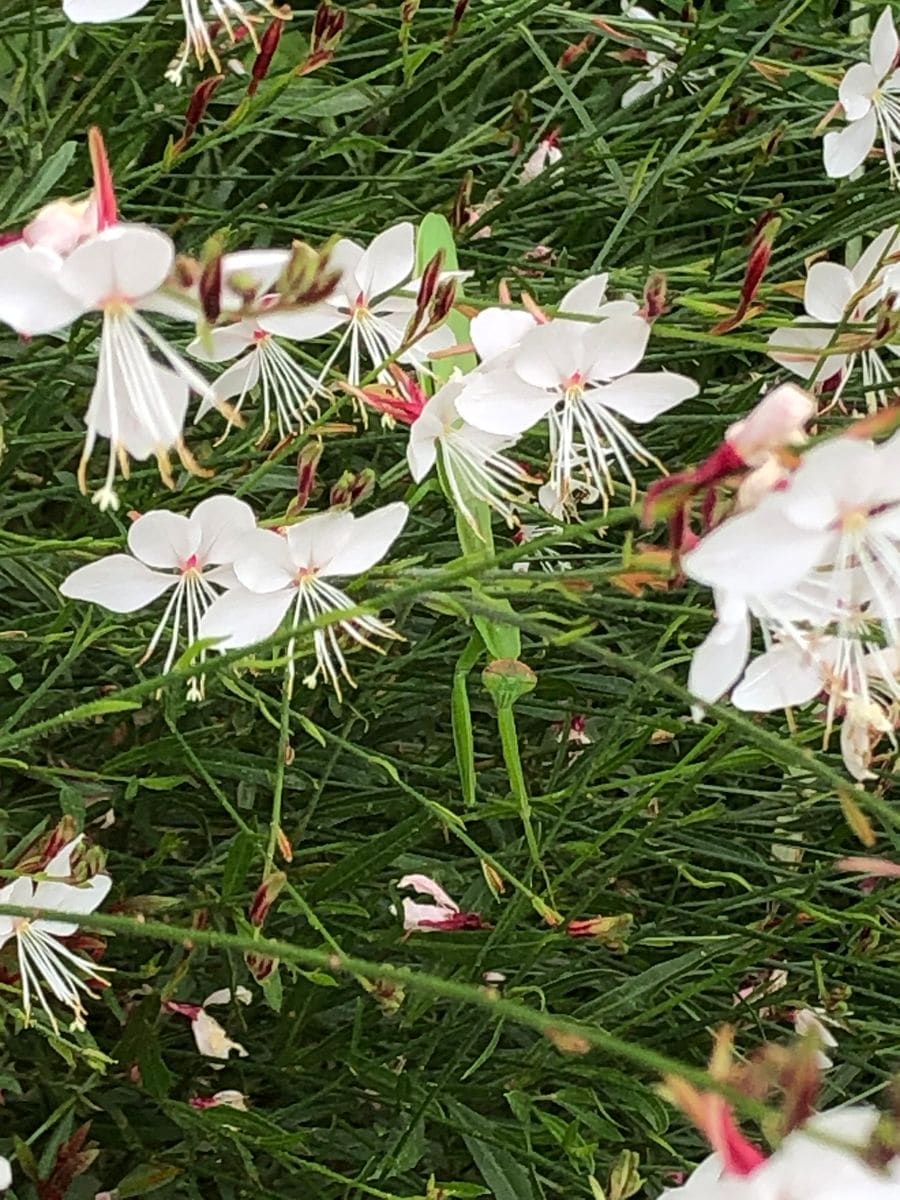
(268, 44)
(196, 109)
(266, 894)
(655, 297)
(760, 252)
(104, 191)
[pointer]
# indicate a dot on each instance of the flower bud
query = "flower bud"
(778, 420)
(611, 931)
(196, 110)
(352, 487)
(267, 46)
(266, 895)
(307, 463)
(62, 225)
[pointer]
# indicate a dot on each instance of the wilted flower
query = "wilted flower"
(546, 154)
(228, 1098)
(212, 1040)
(443, 915)
(40, 941)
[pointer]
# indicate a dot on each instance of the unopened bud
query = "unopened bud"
(62, 225)
(266, 894)
(260, 966)
(268, 44)
(779, 419)
(459, 217)
(408, 10)
(196, 110)
(459, 12)
(574, 51)
(655, 296)
(352, 487)
(307, 462)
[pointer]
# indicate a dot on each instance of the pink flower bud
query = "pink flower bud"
(62, 225)
(778, 420)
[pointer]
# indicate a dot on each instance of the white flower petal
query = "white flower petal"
(118, 583)
(496, 330)
(98, 12)
(60, 865)
(421, 449)
(235, 380)
(426, 886)
(301, 324)
(643, 397)
(501, 403)
(221, 345)
(389, 261)
(828, 291)
(616, 346)
(212, 1040)
(125, 262)
(224, 523)
(848, 149)
(313, 542)
(242, 618)
(114, 412)
(799, 347)
(6, 1176)
(32, 298)
(883, 45)
(719, 660)
(585, 297)
(66, 898)
(264, 563)
(254, 270)
(648, 83)
(423, 917)
(163, 539)
(782, 677)
(871, 260)
(224, 996)
(834, 477)
(548, 355)
(856, 91)
(370, 539)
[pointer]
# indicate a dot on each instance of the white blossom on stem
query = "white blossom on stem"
(292, 573)
(43, 957)
(189, 557)
(869, 95)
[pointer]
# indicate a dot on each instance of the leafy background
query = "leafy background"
(718, 838)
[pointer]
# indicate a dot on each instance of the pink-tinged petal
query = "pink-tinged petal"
(501, 403)
(255, 271)
(856, 90)
(848, 149)
(615, 346)
(585, 297)
(548, 355)
(424, 918)
(370, 539)
(235, 380)
(212, 1040)
(883, 45)
(98, 12)
(755, 553)
(65, 897)
(314, 541)
(389, 261)
(221, 345)
(426, 886)
(421, 449)
(800, 347)
(224, 523)
(32, 298)
(118, 583)
(833, 478)
(496, 330)
(242, 618)
(302, 324)
(829, 289)
(264, 563)
(782, 677)
(643, 397)
(163, 539)
(871, 260)
(126, 262)
(719, 660)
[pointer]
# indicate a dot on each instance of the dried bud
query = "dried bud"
(186, 272)
(408, 10)
(655, 296)
(266, 894)
(574, 51)
(460, 214)
(268, 44)
(260, 966)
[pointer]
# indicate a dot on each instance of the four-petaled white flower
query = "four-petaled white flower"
(870, 97)
(473, 466)
(189, 556)
(44, 959)
(136, 403)
(198, 35)
(293, 572)
(582, 378)
(288, 389)
(840, 305)
(364, 302)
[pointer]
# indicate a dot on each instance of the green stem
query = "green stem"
(284, 735)
(509, 740)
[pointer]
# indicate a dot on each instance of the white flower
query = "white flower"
(546, 154)
(813, 1023)
(198, 38)
(838, 301)
(190, 557)
(212, 1040)
(242, 994)
(581, 377)
(136, 403)
(287, 388)
(657, 68)
(364, 302)
(5, 1174)
(443, 915)
(44, 959)
(473, 466)
(870, 97)
(778, 420)
(294, 572)
(821, 1161)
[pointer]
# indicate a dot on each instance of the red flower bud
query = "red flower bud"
(196, 109)
(268, 44)
(265, 897)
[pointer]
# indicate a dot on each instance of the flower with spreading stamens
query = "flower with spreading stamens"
(841, 304)
(288, 389)
(364, 301)
(582, 378)
(232, 14)
(292, 573)
(190, 557)
(43, 957)
(869, 94)
(473, 466)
